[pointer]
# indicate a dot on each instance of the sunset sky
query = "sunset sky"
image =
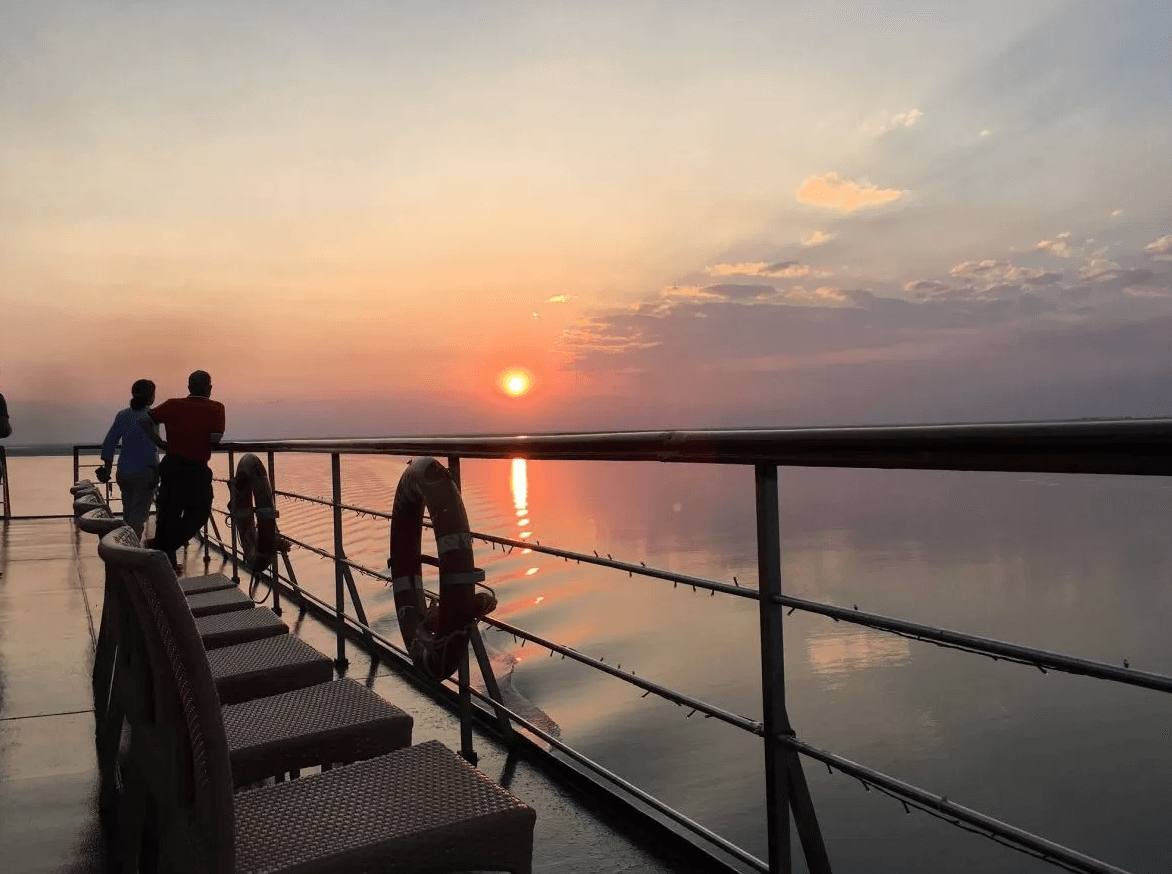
(356, 215)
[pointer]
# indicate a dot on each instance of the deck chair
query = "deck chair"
(99, 521)
(419, 809)
(226, 619)
(87, 501)
(205, 583)
(309, 719)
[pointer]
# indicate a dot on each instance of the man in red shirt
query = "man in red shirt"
(194, 425)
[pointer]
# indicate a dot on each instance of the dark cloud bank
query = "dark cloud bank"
(972, 346)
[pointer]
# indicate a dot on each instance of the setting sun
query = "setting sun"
(516, 382)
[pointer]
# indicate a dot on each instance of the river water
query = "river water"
(1082, 565)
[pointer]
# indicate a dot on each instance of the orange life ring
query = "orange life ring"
(253, 514)
(434, 637)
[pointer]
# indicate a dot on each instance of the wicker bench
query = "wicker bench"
(419, 809)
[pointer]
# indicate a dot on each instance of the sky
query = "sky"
(357, 215)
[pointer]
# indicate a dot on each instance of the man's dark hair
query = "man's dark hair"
(140, 393)
(199, 383)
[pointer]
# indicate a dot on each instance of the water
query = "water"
(1081, 565)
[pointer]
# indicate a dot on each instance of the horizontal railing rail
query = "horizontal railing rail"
(1123, 446)
(993, 648)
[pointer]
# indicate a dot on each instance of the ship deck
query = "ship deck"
(51, 592)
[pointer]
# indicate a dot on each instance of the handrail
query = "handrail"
(1117, 446)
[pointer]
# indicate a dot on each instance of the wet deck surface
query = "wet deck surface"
(50, 608)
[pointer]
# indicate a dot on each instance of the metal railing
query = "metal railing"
(1134, 447)
(5, 499)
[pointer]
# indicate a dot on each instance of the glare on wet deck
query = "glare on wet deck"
(51, 592)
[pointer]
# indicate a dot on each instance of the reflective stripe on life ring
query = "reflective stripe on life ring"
(253, 514)
(435, 637)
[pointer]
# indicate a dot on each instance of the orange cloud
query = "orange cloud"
(816, 238)
(559, 298)
(1057, 246)
(778, 270)
(835, 192)
(1161, 248)
(825, 295)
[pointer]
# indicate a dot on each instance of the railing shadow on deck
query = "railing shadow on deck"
(1141, 447)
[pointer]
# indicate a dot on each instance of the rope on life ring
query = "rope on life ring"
(436, 636)
(250, 505)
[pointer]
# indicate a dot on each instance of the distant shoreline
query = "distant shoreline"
(39, 449)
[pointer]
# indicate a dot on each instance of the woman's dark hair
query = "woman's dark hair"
(141, 393)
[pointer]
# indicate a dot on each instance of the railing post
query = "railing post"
(76, 464)
(464, 674)
(207, 538)
(4, 483)
(273, 568)
(339, 554)
(231, 518)
(772, 669)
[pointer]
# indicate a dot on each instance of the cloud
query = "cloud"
(745, 294)
(1058, 247)
(559, 298)
(816, 238)
(1161, 248)
(689, 292)
(602, 336)
(824, 296)
(986, 132)
(1097, 269)
(835, 192)
(778, 270)
(969, 269)
(925, 288)
(975, 348)
(1001, 273)
(887, 122)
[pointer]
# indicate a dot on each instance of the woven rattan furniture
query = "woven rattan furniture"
(420, 809)
(98, 521)
(83, 503)
(239, 626)
(218, 601)
(82, 486)
(333, 723)
(206, 583)
(267, 667)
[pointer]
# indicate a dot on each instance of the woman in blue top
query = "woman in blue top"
(138, 463)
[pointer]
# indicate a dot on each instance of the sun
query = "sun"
(516, 381)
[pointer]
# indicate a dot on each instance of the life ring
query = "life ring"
(434, 637)
(250, 504)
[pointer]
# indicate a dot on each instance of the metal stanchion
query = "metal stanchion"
(273, 569)
(231, 519)
(339, 553)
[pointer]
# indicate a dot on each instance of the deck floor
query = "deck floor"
(50, 607)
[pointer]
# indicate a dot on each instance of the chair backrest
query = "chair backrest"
(99, 521)
(179, 745)
(83, 503)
